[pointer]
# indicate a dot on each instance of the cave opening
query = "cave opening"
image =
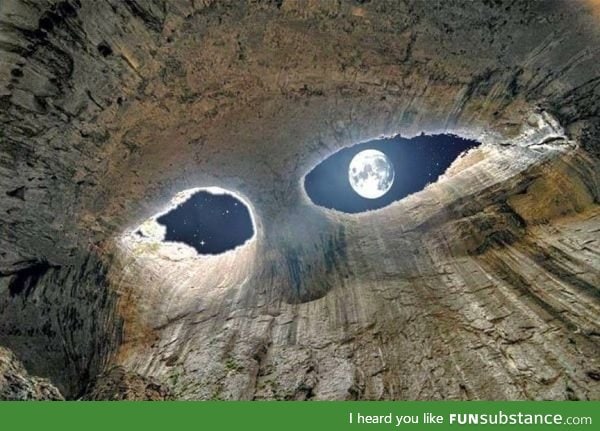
(212, 221)
(415, 163)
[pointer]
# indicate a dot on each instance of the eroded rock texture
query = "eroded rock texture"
(484, 285)
(17, 385)
(118, 384)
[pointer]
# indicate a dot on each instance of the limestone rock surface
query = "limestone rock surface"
(484, 285)
(117, 384)
(17, 385)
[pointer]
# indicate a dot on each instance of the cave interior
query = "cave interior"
(481, 284)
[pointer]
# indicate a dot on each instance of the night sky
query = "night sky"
(417, 162)
(210, 223)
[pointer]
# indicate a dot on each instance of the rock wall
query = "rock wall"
(117, 384)
(60, 322)
(17, 385)
(444, 295)
(484, 285)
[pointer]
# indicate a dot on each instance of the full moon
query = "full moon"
(371, 174)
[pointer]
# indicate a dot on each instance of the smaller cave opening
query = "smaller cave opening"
(373, 174)
(212, 222)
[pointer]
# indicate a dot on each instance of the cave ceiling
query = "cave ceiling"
(483, 285)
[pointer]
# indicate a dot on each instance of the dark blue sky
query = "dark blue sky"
(210, 223)
(417, 162)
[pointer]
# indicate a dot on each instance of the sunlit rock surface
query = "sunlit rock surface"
(485, 285)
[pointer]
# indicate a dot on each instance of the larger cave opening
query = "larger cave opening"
(415, 163)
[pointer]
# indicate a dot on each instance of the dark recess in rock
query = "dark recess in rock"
(594, 375)
(18, 193)
(147, 11)
(25, 280)
(17, 73)
(104, 49)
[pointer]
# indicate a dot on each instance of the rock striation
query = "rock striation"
(485, 285)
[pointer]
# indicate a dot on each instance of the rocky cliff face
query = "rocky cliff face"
(482, 286)
(17, 385)
(60, 321)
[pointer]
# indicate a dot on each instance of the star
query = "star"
(202, 242)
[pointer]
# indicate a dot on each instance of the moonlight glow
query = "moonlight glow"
(371, 174)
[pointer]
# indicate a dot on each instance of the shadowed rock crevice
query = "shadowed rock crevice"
(61, 322)
(25, 280)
